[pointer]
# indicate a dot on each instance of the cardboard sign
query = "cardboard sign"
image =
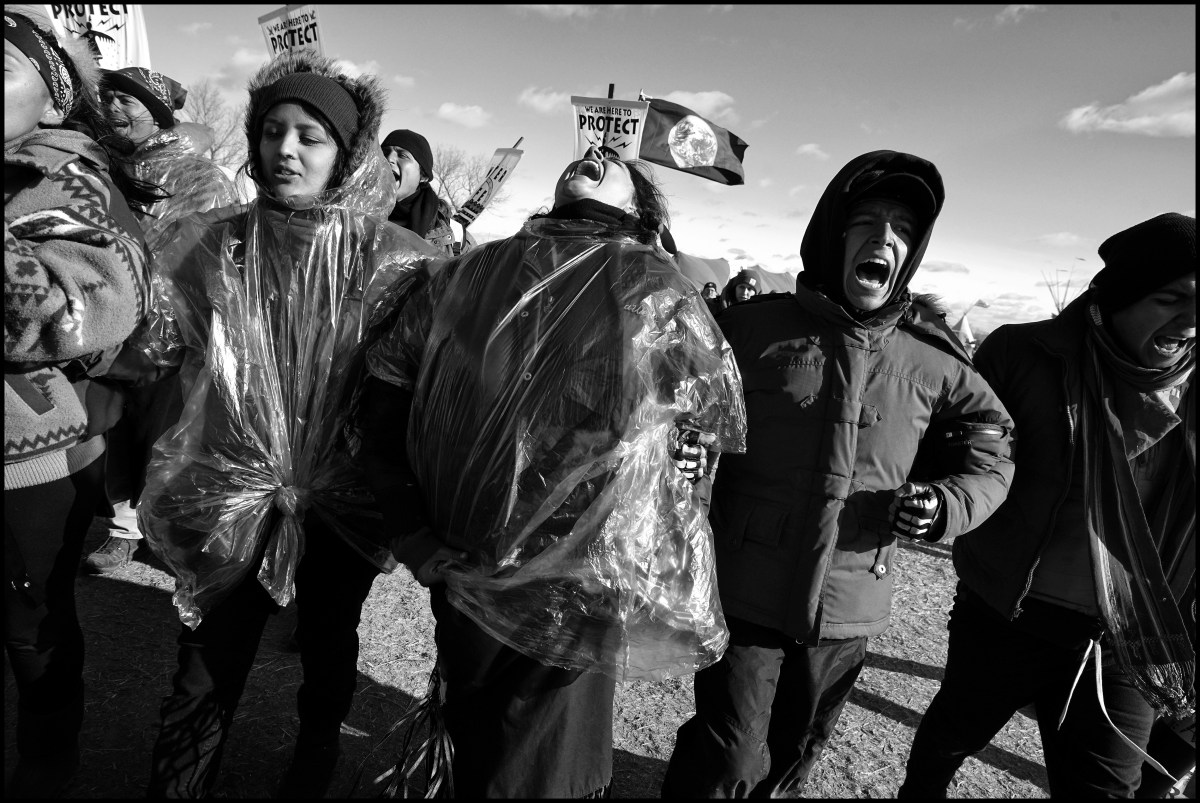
(504, 161)
(614, 126)
(115, 33)
(292, 28)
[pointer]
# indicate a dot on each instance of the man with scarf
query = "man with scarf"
(844, 381)
(1079, 595)
(418, 207)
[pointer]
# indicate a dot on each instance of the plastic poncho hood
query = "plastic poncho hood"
(170, 159)
(267, 308)
(822, 248)
(550, 372)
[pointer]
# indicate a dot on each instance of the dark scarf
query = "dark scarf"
(1143, 573)
(591, 209)
(418, 211)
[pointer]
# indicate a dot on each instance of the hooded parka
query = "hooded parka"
(265, 309)
(837, 406)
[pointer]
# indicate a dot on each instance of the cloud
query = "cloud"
(1060, 239)
(936, 266)
(812, 149)
(355, 70)
(796, 190)
(1163, 110)
(544, 101)
(765, 182)
(193, 28)
(737, 252)
(557, 12)
(1015, 14)
(246, 58)
(467, 116)
(796, 213)
(406, 81)
(711, 104)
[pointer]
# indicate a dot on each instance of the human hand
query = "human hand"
(689, 452)
(439, 564)
(915, 510)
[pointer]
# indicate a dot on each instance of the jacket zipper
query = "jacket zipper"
(1017, 609)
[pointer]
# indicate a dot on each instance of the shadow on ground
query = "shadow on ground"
(130, 630)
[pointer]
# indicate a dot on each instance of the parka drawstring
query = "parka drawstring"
(1093, 649)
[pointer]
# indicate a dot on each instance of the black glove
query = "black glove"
(916, 511)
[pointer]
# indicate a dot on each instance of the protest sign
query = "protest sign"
(614, 126)
(116, 33)
(292, 28)
(504, 161)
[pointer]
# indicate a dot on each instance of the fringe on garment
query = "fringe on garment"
(428, 760)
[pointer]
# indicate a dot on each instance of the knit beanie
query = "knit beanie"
(415, 144)
(324, 95)
(163, 96)
(1143, 258)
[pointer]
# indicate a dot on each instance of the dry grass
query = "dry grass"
(130, 629)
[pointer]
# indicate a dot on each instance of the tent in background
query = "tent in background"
(701, 270)
(775, 282)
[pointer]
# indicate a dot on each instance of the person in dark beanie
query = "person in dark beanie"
(712, 297)
(1079, 595)
(418, 207)
(142, 103)
(265, 311)
(850, 382)
(742, 287)
(75, 285)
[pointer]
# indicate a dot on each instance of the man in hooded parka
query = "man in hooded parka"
(844, 380)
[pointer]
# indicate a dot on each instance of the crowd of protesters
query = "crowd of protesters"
(599, 470)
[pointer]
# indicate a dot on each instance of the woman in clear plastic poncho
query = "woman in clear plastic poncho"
(265, 310)
(551, 377)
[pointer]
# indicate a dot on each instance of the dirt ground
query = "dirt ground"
(130, 628)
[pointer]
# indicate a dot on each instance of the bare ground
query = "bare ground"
(130, 628)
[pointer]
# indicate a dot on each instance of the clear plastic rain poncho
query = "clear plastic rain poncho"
(265, 308)
(552, 374)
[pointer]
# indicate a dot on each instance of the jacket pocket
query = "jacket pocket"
(736, 518)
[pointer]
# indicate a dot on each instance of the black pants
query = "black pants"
(520, 729)
(763, 714)
(332, 582)
(995, 667)
(44, 530)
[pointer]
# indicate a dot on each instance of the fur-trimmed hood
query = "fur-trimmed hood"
(369, 96)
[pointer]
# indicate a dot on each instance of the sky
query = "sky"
(1053, 127)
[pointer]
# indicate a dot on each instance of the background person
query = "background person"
(521, 419)
(712, 297)
(74, 287)
(742, 287)
(418, 207)
(844, 381)
(140, 104)
(1092, 560)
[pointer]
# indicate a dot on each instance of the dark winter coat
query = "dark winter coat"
(1036, 369)
(837, 408)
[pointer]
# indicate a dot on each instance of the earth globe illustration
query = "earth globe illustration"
(692, 143)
